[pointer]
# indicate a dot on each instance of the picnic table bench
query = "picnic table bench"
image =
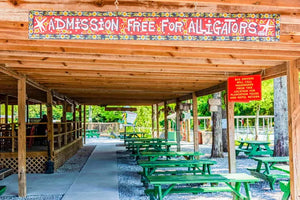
(265, 169)
(178, 180)
(152, 156)
(91, 133)
(193, 166)
(254, 148)
(284, 185)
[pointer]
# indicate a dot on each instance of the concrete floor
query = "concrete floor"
(98, 179)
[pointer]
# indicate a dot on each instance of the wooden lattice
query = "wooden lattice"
(33, 164)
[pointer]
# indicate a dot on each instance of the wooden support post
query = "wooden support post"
(12, 114)
(294, 128)
(22, 137)
(157, 121)
(50, 129)
(13, 139)
(6, 109)
(27, 112)
(84, 124)
(41, 110)
(80, 120)
(59, 137)
(195, 121)
(188, 127)
(153, 121)
(178, 136)
(65, 126)
(230, 136)
(74, 123)
(166, 119)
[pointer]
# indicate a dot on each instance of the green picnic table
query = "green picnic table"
(266, 171)
(170, 167)
(130, 141)
(92, 133)
(284, 185)
(152, 156)
(133, 135)
(137, 148)
(254, 148)
(171, 182)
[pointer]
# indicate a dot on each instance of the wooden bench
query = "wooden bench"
(186, 180)
(5, 172)
(2, 189)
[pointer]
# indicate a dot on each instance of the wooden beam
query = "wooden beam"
(84, 124)
(294, 128)
(157, 121)
(230, 136)
(178, 135)
(5, 70)
(195, 121)
(119, 109)
(166, 119)
(22, 137)
(50, 129)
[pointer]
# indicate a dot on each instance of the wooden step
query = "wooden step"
(5, 172)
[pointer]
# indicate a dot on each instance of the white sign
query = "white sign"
(214, 102)
(130, 117)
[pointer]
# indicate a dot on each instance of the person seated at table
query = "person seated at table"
(41, 129)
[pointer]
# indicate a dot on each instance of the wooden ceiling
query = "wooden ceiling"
(141, 72)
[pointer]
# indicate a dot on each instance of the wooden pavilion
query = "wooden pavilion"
(135, 72)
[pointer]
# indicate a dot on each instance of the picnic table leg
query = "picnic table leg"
(287, 192)
(237, 190)
(159, 192)
(247, 191)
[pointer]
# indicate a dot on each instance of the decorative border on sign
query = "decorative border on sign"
(62, 36)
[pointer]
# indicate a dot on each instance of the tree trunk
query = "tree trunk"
(224, 131)
(217, 148)
(281, 143)
(257, 122)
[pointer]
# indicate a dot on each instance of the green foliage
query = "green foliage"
(100, 115)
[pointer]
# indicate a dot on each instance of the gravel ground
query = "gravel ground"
(130, 186)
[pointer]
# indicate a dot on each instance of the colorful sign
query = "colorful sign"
(244, 88)
(153, 26)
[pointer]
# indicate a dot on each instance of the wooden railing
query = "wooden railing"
(64, 133)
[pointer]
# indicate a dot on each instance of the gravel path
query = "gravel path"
(130, 186)
(75, 163)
